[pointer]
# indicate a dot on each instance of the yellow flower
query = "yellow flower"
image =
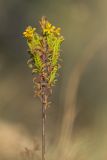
(51, 29)
(29, 32)
(48, 25)
(57, 31)
(48, 28)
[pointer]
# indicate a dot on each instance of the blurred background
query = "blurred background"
(76, 126)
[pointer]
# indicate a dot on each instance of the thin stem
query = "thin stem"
(43, 123)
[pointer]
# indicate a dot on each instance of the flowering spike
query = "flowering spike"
(44, 50)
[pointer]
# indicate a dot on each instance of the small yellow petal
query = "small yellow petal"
(29, 32)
